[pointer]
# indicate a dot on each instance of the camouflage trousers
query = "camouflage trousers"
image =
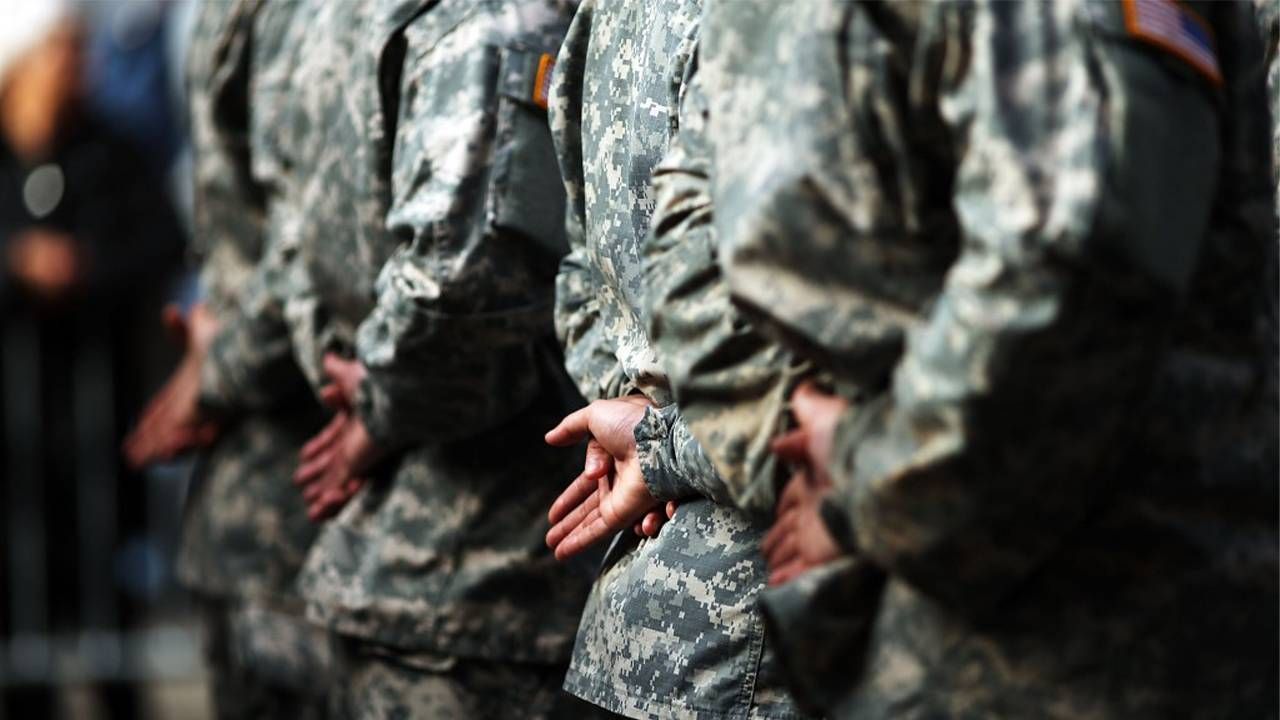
(378, 683)
(264, 663)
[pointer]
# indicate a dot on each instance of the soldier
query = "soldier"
(671, 628)
(1268, 16)
(417, 134)
(1058, 449)
(246, 532)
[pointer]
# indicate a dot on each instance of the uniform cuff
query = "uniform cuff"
(656, 456)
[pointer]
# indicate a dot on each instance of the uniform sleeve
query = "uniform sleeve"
(591, 357)
(464, 306)
(1081, 209)
(250, 365)
(673, 462)
(731, 382)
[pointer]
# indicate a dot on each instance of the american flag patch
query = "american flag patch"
(1177, 29)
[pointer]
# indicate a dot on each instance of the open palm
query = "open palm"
(610, 494)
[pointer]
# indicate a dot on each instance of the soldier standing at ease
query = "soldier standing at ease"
(1065, 471)
(240, 397)
(671, 628)
(421, 240)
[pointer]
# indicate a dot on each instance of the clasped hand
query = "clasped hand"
(610, 494)
(172, 423)
(331, 464)
(799, 540)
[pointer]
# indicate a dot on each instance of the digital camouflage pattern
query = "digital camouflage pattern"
(1062, 454)
(731, 381)
(671, 628)
(247, 680)
(245, 533)
(455, 186)
(378, 686)
(1268, 16)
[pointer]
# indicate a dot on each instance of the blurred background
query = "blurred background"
(94, 207)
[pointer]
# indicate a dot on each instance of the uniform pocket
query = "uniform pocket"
(527, 194)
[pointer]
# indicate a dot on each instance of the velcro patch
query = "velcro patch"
(1176, 29)
(542, 80)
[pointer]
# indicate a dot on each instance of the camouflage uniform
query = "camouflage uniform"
(245, 533)
(423, 233)
(671, 628)
(1062, 448)
(1268, 16)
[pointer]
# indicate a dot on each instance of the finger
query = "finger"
(582, 486)
(787, 573)
(318, 510)
(572, 429)
(193, 437)
(178, 441)
(343, 372)
(134, 447)
(672, 505)
(809, 404)
(780, 529)
(332, 397)
(353, 486)
(592, 530)
(325, 438)
(786, 550)
(335, 365)
(638, 529)
(598, 460)
(793, 494)
(333, 501)
(156, 411)
(313, 491)
(313, 469)
(571, 521)
(791, 446)
(175, 325)
(148, 444)
(652, 524)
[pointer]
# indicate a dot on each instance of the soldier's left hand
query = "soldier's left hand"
(798, 540)
(610, 494)
(817, 413)
(331, 465)
(172, 422)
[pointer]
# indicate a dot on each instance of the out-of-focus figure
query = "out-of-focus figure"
(88, 242)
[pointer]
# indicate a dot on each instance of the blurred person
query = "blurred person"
(435, 580)
(239, 398)
(424, 233)
(1047, 484)
(88, 242)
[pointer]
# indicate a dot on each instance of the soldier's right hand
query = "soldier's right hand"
(172, 422)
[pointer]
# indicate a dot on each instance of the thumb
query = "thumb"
(810, 405)
(343, 372)
(572, 429)
(792, 446)
(332, 397)
(335, 366)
